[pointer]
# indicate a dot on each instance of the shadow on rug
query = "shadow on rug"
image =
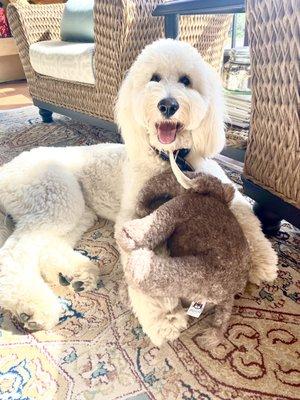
(99, 350)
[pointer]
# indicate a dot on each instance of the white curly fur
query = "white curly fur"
(54, 194)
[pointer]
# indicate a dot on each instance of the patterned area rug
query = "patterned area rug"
(99, 350)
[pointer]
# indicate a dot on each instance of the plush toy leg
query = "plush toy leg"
(162, 276)
(162, 319)
(214, 334)
(263, 257)
(157, 188)
(152, 230)
(145, 232)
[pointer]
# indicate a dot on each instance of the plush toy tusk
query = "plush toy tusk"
(182, 179)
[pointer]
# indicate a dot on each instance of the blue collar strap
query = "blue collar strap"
(179, 156)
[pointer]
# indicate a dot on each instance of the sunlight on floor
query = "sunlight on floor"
(14, 95)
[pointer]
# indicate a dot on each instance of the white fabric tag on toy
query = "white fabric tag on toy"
(196, 308)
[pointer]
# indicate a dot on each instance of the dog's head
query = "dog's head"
(170, 99)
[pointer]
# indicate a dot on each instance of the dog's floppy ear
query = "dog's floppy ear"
(229, 192)
(122, 106)
(132, 133)
(209, 138)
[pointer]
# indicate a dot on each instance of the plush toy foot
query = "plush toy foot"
(124, 240)
(167, 327)
(211, 337)
(123, 294)
(133, 234)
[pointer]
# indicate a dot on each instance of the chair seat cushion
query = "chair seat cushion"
(63, 60)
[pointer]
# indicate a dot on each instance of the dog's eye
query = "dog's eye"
(155, 78)
(185, 80)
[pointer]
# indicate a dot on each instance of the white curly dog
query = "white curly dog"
(170, 99)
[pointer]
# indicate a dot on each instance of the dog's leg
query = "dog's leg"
(162, 319)
(48, 206)
(263, 257)
(59, 262)
(22, 290)
(6, 227)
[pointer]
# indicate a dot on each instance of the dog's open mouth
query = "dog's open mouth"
(167, 131)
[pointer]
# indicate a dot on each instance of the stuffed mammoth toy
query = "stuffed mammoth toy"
(207, 258)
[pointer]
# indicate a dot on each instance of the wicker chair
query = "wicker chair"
(272, 164)
(122, 29)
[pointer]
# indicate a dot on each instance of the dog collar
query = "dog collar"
(179, 156)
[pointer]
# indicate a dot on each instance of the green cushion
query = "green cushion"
(77, 23)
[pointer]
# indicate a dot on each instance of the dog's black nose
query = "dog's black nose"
(168, 106)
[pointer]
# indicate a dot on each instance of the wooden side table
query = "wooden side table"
(47, 1)
(10, 65)
(173, 9)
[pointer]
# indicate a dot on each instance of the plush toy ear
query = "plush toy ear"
(209, 138)
(210, 185)
(229, 191)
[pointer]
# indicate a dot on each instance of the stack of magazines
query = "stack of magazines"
(237, 108)
(237, 93)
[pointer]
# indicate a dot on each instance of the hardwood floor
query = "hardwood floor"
(14, 95)
(234, 164)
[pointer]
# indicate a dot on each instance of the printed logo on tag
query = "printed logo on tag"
(195, 309)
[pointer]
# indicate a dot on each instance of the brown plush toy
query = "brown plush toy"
(208, 253)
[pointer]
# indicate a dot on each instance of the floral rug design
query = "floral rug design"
(99, 350)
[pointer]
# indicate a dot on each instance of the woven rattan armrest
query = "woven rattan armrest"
(38, 22)
(30, 24)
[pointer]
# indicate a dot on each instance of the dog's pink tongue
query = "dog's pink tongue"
(166, 133)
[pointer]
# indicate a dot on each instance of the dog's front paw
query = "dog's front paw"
(85, 277)
(263, 271)
(41, 315)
